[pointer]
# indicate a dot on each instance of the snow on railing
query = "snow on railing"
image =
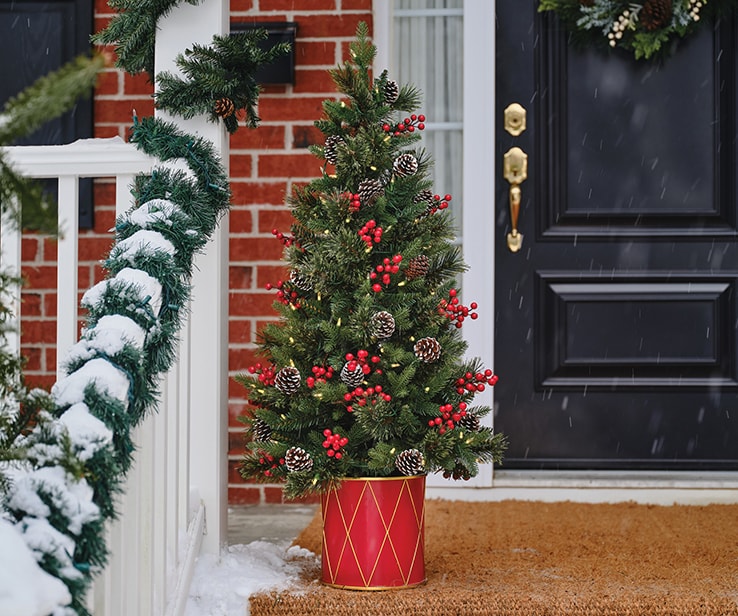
(155, 541)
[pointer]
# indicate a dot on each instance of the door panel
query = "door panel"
(615, 325)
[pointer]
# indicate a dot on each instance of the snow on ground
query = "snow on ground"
(222, 588)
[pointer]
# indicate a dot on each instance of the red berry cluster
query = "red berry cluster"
(334, 443)
(475, 382)
(385, 269)
(448, 417)
(439, 204)
(455, 311)
(370, 233)
(284, 295)
(287, 240)
(363, 397)
(354, 202)
(408, 125)
(266, 373)
(362, 359)
(269, 463)
(321, 375)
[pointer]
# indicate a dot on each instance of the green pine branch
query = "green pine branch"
(47, 98)
(132, 32)
(218, 79)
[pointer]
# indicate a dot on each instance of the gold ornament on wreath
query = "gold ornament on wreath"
(644, 27)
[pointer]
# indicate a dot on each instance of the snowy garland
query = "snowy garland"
(61, 496)
(644, 28)
(218, 80)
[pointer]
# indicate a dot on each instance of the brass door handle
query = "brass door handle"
(515, 171)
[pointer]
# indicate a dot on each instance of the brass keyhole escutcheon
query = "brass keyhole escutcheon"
(515, 171)
(514, 119)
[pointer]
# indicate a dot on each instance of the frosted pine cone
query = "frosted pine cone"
(287, 380)
(470, 422)
(296, 459)
(260, 431)
(410, 462)
(300, 281)
(329, 150)
(417, 267)
(369, 190)
(224, 107)
(352, 378)
(391, 92)
(427, 350)
(382, 324)
(405, 164)
(426, 196)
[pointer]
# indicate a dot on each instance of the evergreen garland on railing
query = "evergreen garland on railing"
(77, 456)
(133, 32)
(219, 79)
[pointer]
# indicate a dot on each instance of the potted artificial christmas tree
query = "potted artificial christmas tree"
(363, 390)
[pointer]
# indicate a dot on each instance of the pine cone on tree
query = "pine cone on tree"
(417, 267)
(427, 350)
(287, 380)
(405, 164)
(260, 431)
(655, 14)
(352, 378)
(224, 107)
(369, 191)
(330, 149)
(382, 324)
(470, 421)
(296, 459)
(460, 472)
(426, 196)
(391, 91)
(300, 281)
(410, 462)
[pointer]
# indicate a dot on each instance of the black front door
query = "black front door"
(616, 321)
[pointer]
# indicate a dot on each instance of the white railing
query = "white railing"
(155, 542)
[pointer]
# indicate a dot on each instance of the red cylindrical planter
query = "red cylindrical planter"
(374, 533)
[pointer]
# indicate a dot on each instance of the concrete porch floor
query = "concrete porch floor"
(274, 523)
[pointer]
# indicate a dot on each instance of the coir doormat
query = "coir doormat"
(537, 558)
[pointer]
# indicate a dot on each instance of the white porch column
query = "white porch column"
(207, 334)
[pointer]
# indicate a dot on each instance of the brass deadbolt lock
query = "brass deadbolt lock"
(514, 119)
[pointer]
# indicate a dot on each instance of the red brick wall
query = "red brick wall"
(265, 163)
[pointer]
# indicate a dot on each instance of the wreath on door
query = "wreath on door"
(645, 27)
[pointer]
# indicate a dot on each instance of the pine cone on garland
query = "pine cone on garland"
(329, 150)
(405, 164)
(391, 92)
(382, 324)
(224, 107)
(410, 462)
(417, 267)
(655, 14)
(352, 378)
(369, 191)
(470, 422)
(260, 430)
(427, 350)
(287, 380)
(296, 459)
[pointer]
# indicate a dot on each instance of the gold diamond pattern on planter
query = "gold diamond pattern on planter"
(374, 533)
